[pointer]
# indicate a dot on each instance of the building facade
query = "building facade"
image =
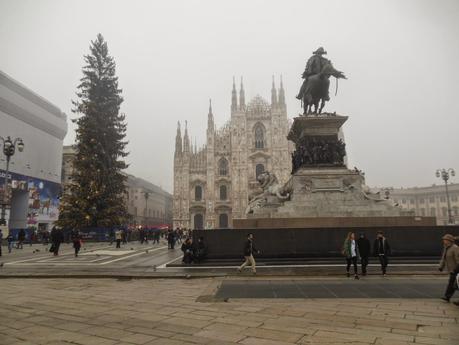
(147, 204)
(212, 184)
(34, 174)
(429, 201)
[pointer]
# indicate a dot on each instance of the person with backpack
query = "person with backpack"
(249, 250)
(381, 249)
(450, 261)
(351, 253)
(364, 245)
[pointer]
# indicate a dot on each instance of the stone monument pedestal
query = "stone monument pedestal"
(321, 186)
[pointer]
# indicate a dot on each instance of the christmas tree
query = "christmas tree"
(95, 198)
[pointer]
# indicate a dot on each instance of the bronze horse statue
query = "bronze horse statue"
(317, 89)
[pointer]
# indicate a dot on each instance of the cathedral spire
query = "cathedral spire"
(242, 96)
(281, 94)
(210, 117)
(234, 98)
(186, 140)
(178, 141)
(273, 95)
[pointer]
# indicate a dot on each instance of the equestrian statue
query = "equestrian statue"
(316, 75)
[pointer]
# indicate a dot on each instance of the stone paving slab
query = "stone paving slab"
(165, 311)
(363, 288)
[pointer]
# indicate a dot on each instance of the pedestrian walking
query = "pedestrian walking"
(21, 238)
(249, 250)
(450, 261)
(1, 241)
(171, 239)
(111, 235)
(364, 245)
(381, 249)
(76, 240)
(156, 236)
(118, 238)
(10, 242)
(57, 237)
(351, 253)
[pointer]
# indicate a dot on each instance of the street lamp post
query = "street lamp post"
(146, 195)
(9, 148)
(445, 174)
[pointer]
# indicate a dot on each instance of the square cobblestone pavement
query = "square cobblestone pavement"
(175, 311)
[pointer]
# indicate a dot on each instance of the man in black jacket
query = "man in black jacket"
(364, 250)
(249, 249)
(381, 249)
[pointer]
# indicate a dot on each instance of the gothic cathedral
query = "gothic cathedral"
(212, 184)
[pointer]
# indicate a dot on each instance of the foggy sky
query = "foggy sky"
(401, 58)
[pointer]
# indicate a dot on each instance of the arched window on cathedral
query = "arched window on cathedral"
(259, 169)
(259, 133)
(198, 193)
(223, 167)
(198, 221)
(223, 192)
(223, 221)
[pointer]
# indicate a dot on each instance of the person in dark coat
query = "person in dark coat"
(450, 262)
(249, 250)
(381, 249)
(364, 250)
(21, 239)
(200, 250)
(171, 239)
(76, 240)
(57, 237)
(187, 249)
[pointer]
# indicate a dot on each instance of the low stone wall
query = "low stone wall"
(330, 222)
(321, 242)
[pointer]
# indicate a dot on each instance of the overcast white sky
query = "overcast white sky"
(401, 58)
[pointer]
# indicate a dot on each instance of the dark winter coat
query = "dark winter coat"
(249, 248)
(381, 248)
(57, 236)
(76, 239)
(364, 247)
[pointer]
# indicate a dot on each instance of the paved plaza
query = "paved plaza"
(188, 311)
(137, 260)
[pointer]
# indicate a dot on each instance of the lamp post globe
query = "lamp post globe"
(20, 145)
(9, 148)
(445, 176)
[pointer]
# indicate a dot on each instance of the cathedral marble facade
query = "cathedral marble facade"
(212, 184)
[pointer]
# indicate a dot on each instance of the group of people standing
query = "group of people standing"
(355, 249)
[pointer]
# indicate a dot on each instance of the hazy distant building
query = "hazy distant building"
(429, 201)
(212, 183)
(146, 203)
(35, 173)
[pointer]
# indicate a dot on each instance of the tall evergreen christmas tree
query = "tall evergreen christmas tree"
(96, 196)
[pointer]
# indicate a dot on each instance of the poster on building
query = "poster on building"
(38, 198)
